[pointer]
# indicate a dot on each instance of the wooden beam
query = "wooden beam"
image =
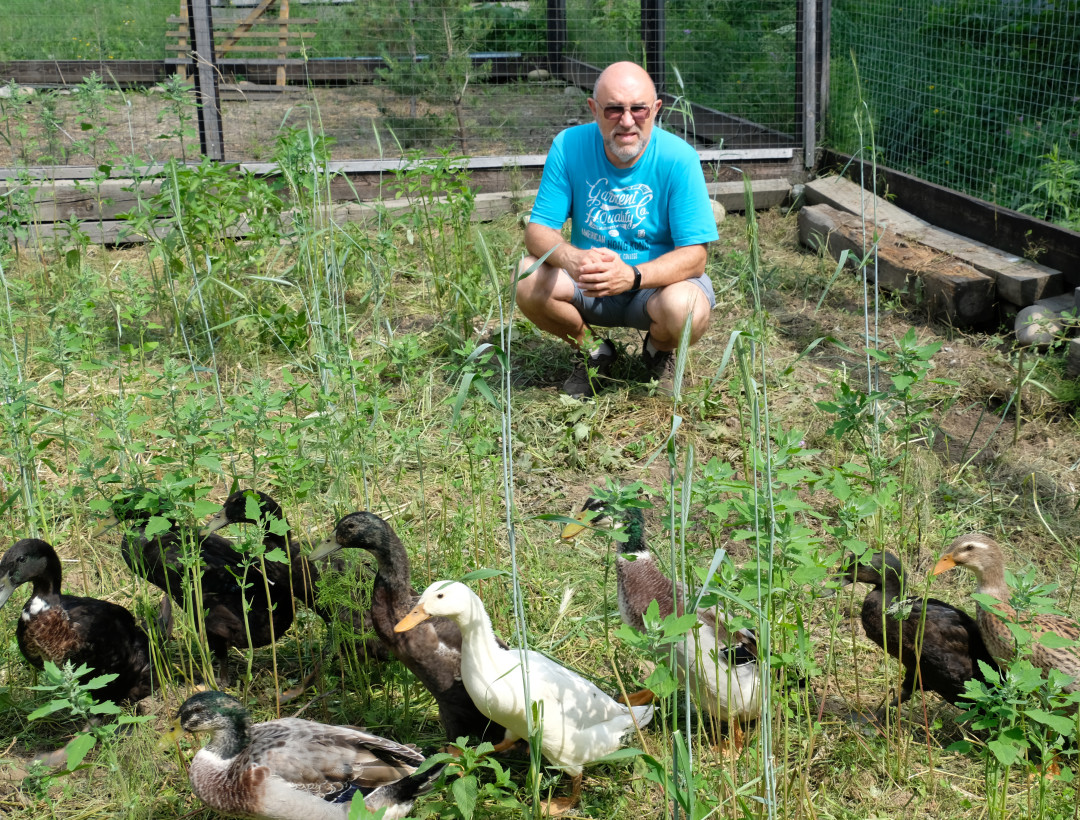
(652, 35)
(955, 292)
(556, 35)
(1019, 281)
(283, 39)
(1016, 233)
(181, 70)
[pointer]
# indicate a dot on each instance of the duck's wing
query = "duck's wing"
(105, 637)
(323, 758)
(1063, 658)
(738, 646)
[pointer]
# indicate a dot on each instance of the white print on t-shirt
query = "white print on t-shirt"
(608, 210)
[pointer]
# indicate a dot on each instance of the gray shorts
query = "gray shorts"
(628, 309)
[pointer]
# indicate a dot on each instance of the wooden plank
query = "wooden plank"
(955, 292)
(122, 73)
(265, 35)
(61, 200)
(211, 133)
(514, 162)
(181, 71)
(1019, 281)
(242, 65)
(226, 23)
(250, 18)
(283, 39)
(1012, 232)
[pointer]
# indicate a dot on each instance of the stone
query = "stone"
(719, 212)
(539, 75)
(1037, 326)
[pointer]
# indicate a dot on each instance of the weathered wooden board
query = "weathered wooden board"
(954, 291)
(1019, 281)
(59, 200)
(1011, 231)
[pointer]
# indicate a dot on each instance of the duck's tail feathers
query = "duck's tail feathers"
(399, 797)
(163, 626)
(643, 715)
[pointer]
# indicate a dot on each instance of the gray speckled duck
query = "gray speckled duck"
(982, 555)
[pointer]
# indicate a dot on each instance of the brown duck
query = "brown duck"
(432, 650)
(720, 665)
(982, 555)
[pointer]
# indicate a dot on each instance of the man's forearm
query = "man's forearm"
(539, 239)
(676, 265)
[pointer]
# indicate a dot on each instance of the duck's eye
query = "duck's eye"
(439, 595)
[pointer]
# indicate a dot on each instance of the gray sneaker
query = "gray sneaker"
(587, 372)
(661, 367)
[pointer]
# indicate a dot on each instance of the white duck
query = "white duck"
(580, 722)
(719, 665)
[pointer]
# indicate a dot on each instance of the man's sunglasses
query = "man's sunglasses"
(640, 113)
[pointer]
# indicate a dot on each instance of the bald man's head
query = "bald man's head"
(624, 104)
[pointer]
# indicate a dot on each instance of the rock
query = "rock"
(1036, 326)
(1072, 359)
(718, 211)
(573, 91)
(539, 74)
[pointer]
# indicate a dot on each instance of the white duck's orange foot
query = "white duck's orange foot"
(558, 806)
(642, 697)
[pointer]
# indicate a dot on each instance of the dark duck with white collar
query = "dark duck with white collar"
(60, 628)
(940, 650)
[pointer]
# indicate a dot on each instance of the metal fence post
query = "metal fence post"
(556, 36)
(652, 35)
(211, 136)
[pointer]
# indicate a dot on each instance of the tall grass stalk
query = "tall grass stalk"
(761, 438)
(864, 125)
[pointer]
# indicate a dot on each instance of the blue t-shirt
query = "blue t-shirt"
(641, 212)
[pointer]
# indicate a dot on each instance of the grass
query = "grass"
(341, 368)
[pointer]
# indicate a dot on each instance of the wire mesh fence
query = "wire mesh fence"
(982, 96)
(384, 77)
(978, 95)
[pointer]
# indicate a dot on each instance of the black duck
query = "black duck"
(942, 649)
(431, 651)
(60, 628)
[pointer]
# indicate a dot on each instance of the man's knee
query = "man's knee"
(671, 306)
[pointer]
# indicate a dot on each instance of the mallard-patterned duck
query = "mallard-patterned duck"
(580, 722)
(941, 648)
(432, 650)
(981, 554)
(293, 769)
(60, 628)
(161, 559)
(723, 675)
